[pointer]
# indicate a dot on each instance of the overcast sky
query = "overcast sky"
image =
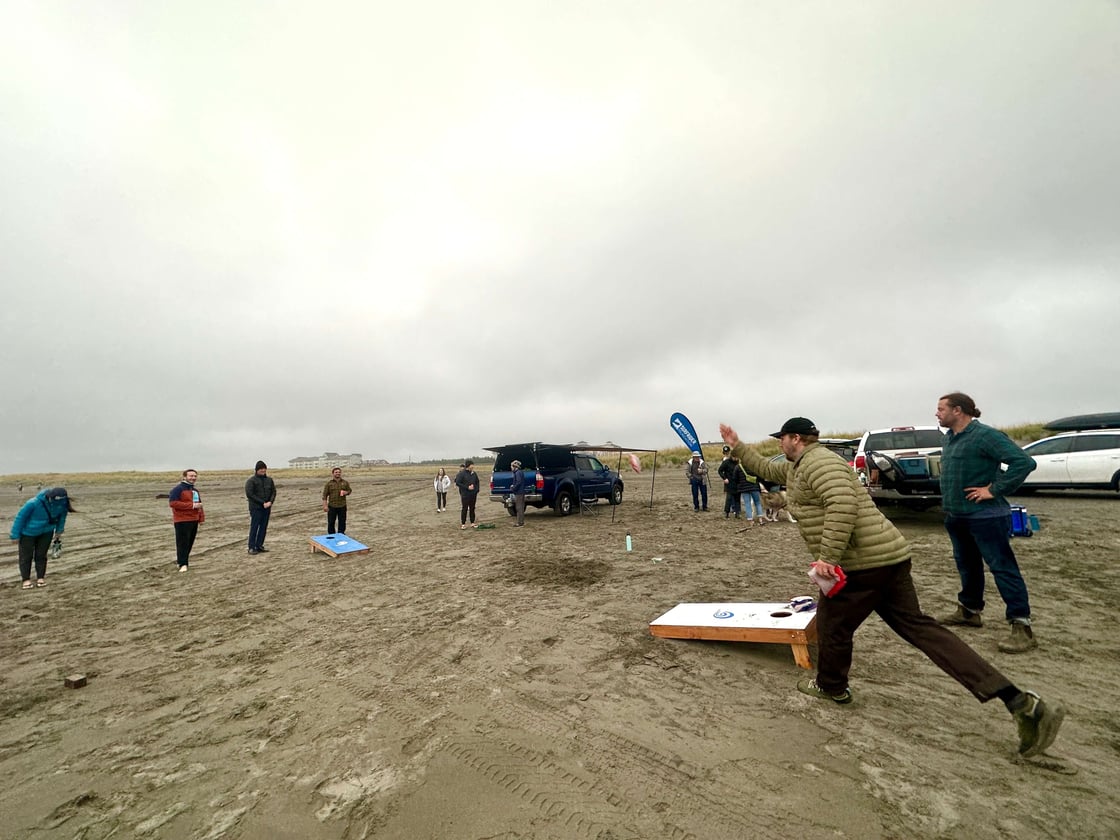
(232, 231)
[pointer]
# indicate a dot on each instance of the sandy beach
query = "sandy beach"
(502, 684)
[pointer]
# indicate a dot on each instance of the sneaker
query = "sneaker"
(1021, 639)
(1038, 724)
(262, 548)
(183, 568)
(254, 551)
(810, 687)
(963, 617)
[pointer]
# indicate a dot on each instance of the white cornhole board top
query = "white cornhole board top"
(741, 622)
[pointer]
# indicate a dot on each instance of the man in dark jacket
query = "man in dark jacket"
(467, 482)
(260, 490)
(517, 488)
(727, 470)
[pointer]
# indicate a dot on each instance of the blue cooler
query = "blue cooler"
(1020, 521)
(914, 467)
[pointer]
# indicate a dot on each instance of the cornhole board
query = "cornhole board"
(773, 623)
(337, 544)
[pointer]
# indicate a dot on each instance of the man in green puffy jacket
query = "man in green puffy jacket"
(847, 535)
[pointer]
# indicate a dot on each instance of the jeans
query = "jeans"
(336, 516)
(699, 489)
(889, 591)
(752, 503)
(34, 548)
(980, 540)
(185, 532)
(441, 500)
(518, 507)
(258, 526)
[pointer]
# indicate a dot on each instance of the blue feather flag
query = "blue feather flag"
(684, 429)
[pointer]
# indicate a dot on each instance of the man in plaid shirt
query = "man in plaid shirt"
(978, 517)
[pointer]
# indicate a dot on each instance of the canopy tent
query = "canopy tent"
(590, 448)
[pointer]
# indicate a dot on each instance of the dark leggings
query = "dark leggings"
(441, 499)
(468, 508)
(34, 547)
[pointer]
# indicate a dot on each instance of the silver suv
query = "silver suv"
(902, 465)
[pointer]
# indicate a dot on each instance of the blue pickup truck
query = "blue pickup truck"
(556, 476)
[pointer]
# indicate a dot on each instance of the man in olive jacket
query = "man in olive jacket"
(843, 529)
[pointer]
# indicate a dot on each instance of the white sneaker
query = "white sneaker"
(182, 568)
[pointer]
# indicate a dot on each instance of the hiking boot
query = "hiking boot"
(809, 686)
(962, 618)
(1038, 723)
(1021, 639)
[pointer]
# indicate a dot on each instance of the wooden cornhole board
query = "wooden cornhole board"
(337, 544)
(774, 623)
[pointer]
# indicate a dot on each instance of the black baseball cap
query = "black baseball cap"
(797, 426)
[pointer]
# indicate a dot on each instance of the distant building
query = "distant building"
(326, 461)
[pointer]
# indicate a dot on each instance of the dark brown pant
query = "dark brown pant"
(889, 591)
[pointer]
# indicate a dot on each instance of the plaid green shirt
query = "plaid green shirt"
(973, 457)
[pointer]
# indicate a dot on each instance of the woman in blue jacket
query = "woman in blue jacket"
(38, 522)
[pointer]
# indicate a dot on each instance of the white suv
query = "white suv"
(1088, 460)
(902, 465)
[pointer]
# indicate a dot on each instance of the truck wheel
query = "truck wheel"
(616, 495)
(511, 510)
(564, 502)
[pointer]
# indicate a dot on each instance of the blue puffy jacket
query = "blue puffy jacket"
(44, 514)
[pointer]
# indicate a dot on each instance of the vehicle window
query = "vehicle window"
(1049, 447)
(595, 463)
(503, 460)
(1091, 443)
(845, 452)
(583, 462)
(906, 439)
(554, 459)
